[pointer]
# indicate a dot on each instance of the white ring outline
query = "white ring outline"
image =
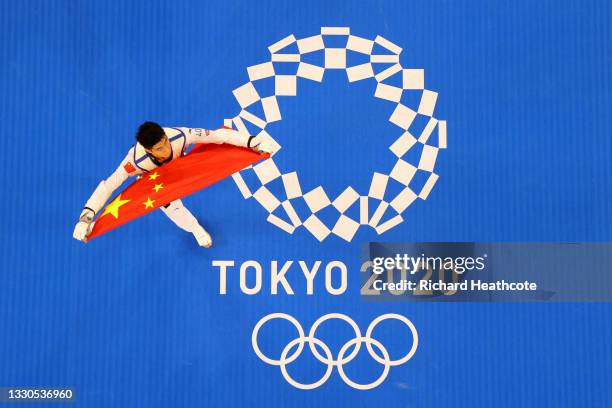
(325, 318)
(386, 364)
(407, 322)
(267, 318)
(284, 362)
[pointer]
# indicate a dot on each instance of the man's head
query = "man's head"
(151, 136)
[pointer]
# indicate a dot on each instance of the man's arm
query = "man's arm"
(99, 197)
(227, 136)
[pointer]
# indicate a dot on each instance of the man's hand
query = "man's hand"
(259, 145)
(84, 226)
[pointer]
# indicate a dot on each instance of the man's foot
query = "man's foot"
(203, 237)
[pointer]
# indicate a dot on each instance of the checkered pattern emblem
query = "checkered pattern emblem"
(388, 210)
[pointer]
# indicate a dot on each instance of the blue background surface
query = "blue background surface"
(135, 317)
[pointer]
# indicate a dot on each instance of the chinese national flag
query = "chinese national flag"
(203, 166)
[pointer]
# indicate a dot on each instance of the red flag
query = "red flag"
(203, 166)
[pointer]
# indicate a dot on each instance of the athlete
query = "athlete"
(154, 147)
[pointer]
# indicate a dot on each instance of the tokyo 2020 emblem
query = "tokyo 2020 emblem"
(403, 170)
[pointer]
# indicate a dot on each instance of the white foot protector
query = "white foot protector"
(203, 237)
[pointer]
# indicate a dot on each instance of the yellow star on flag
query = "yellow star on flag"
(148, 203)
(158, 187)
(153, 176)
(113, 207)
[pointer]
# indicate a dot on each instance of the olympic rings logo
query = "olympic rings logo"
(371, 343)
(383, 66)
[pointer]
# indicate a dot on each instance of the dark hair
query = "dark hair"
(149, 134)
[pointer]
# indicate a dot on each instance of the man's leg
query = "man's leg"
(181, 216)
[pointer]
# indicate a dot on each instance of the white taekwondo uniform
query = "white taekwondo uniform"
(138, 161)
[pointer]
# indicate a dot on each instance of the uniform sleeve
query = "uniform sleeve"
(106, 187)
(219, 136)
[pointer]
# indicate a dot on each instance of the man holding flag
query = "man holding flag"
(155, 147)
